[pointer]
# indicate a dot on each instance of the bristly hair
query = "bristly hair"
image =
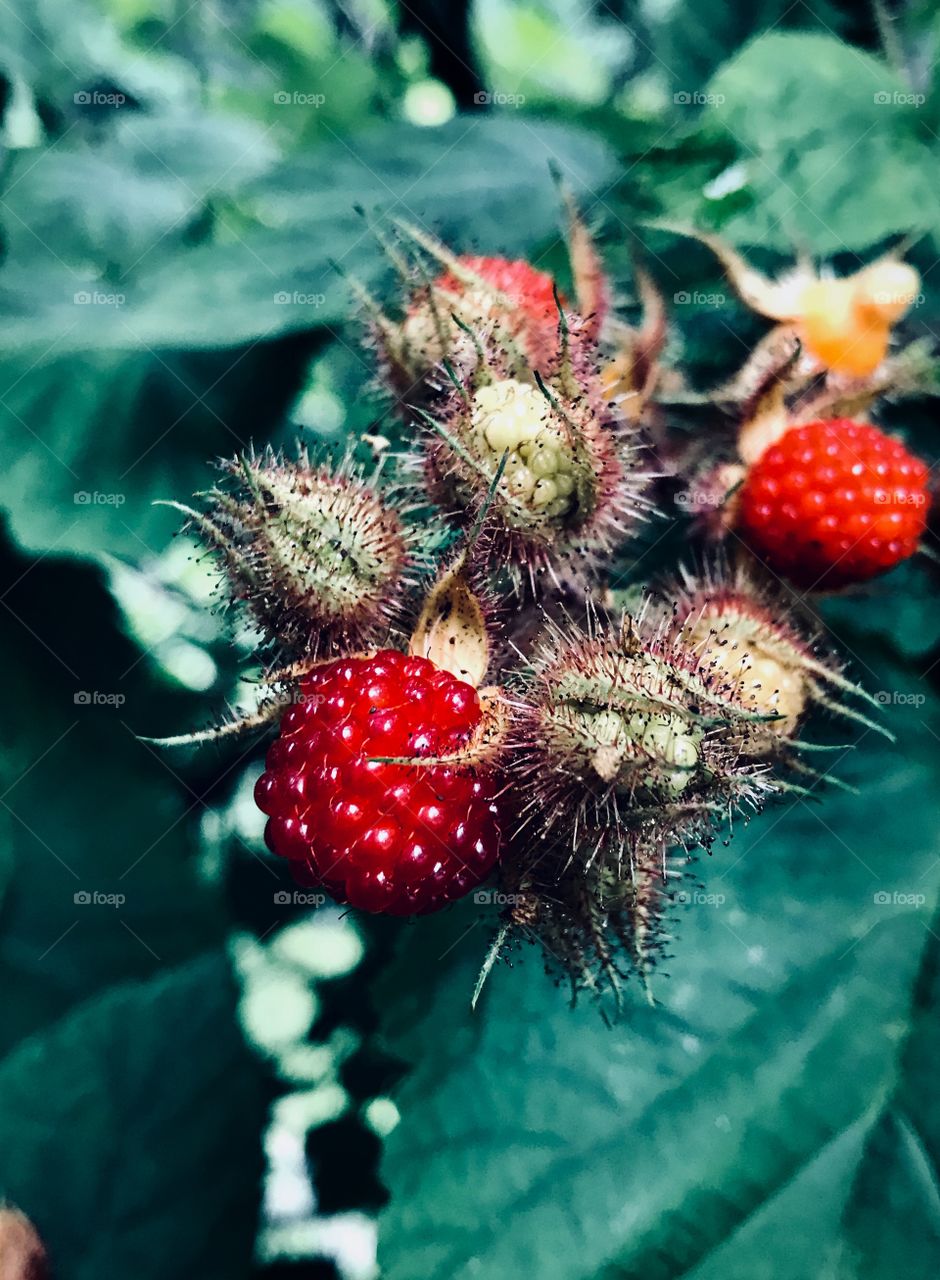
(622, 733)
(574, 488)
(766, 640)
(596, 929)
(323, 557)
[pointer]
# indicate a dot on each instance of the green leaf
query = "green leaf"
(89, 443)
(893, 1216)
(468, 181)
(130, 1132)
(900, 611)
(833, 151)
(536, 1138)
(694, 40)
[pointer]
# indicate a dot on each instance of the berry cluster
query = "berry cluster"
(584, 757)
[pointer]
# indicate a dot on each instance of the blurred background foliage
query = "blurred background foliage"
(200, 1079)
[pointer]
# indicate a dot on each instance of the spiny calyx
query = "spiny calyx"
(761, 655)
(316, 553)
(542, 451)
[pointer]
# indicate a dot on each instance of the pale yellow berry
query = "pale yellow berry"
(509, 416)
(522, 482)
(671, 740)
(509, 412)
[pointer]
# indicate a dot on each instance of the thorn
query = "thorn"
(491, 957)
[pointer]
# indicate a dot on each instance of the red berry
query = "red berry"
(834, 502)
(382, 837)
(528, 316)
(532, 291)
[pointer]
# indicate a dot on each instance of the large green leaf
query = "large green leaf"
(692, 41)
(892, 1219)
(89, 442)
(469, 180)
(535, 1138)
(833, 151)
(130, 1132)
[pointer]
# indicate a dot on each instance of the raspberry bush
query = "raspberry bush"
(562, 601)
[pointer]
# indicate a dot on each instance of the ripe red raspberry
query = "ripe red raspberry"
(383, 837)
(834, 502)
